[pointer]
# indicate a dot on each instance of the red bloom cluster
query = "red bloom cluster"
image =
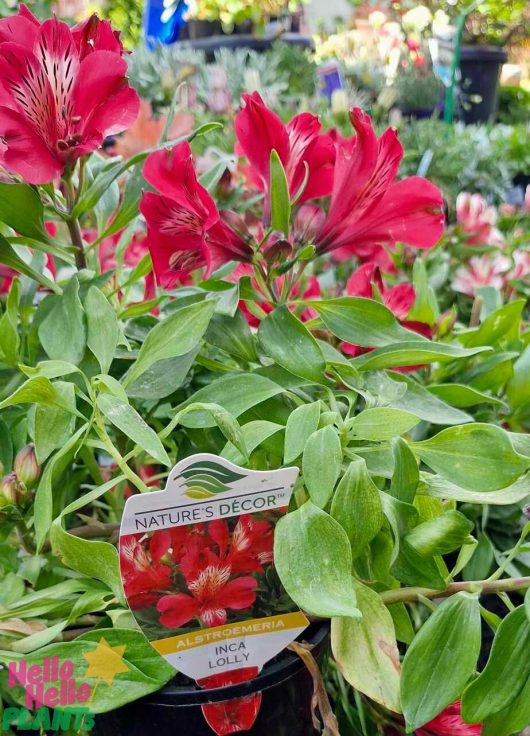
(367, 209)
(231, 716)
(62, 91)
(213, 565)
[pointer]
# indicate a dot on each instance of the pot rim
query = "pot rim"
(272, 674)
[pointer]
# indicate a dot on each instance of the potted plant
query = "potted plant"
(488, 27)
(128, 344)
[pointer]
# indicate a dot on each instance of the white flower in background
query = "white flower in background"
(377, 19)
(340, 104)
(441, 23)
(417, 19)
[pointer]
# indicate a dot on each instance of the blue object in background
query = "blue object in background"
(163, 21)
(329, 78)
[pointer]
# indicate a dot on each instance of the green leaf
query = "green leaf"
(406, 472)
(462, 396)
(301, 424)
(44, 495)
(506, 672)
(103, 330)
(6, 446)
(128, 421)
(441, 659)
(411, 569)
(49, 369)
(424, 405)
(279, 195)
(504, 322)
(425, 307)
(53, 424)
(412, 353)
(285, 339)
(9, 337)
(313, 559)
(512, 719)
(401, 517)
(176, 335)
(321, 464)
(357, 507)
(21, 208)
(441, 535)
(478, 457)
(382, 423)
(9, 257)
(366, 651)
(233, 335)
(253, 435)
(163, 378)
(518, 389)
(437, 487)
(63, 331)
(480, 564)
(363, 322)
(38, 390)
(236, 393)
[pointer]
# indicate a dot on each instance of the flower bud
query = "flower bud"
(526, 511)
(12, 491)
(26, 466)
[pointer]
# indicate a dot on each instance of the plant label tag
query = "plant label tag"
(196, 562)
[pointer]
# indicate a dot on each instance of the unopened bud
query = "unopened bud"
(27, 467)
(12, 491)
(526, 511)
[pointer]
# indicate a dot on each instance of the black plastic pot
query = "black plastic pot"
(480, 70)
(286, 688)
(245, 41)
(203, 28)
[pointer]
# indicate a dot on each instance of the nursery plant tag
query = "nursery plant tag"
(197, 568)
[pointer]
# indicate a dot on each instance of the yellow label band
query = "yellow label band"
(252, 627)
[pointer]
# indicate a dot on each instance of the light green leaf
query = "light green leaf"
(9, 257)
(437, 487)
(478, 457)
(357, 507)
(236, 393)
(412, 353)
(512, 719)
(462, 396)
(366, 651)
(103, 330)
(63, 331)
(301, 424)
(424, 405)
(253, 435)
(279, 195)
(53, 424)
(176, 335)
(441, 535)
(382, 423)
(163, 378)
(49, 369)
(313, 559)
(21, 208)
(441, 659)
(38, 390)
(233, 335)
(285, 339)
(9, 337)
(506, 672)
(504, 322)
(321, 464)
(128, 421)
(406, 474)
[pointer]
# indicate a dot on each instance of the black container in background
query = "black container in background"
(286, 688)
(480, 68)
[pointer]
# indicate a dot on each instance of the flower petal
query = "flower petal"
(238, 594)
(176, 610)
(26, 152)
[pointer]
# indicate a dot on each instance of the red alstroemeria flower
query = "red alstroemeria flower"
(212, 594)
(367, 282)
(184, 228)
(368, 206)
(231, 716)
(144, 579)
(62, 92)
(250, 545)
(259, 131)
(449, 723)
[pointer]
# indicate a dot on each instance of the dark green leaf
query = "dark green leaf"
(103, 331)
(21, 208)
(63, 331)
(280, 201)
(412, 353)
(406, 472)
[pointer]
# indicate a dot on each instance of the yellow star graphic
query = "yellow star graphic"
(105, 662)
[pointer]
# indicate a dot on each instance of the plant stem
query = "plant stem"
(77, 242)
(116, 456)
(485, 587)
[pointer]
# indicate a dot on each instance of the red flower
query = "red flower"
(449, 723)
(212, 594)
(184, 227)
(144, 579)
(368, 206)
(231, 716)
(367, 282)
(259, 131)
(62, 92)
(248, 548)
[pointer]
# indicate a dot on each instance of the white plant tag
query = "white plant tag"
(197, 567)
